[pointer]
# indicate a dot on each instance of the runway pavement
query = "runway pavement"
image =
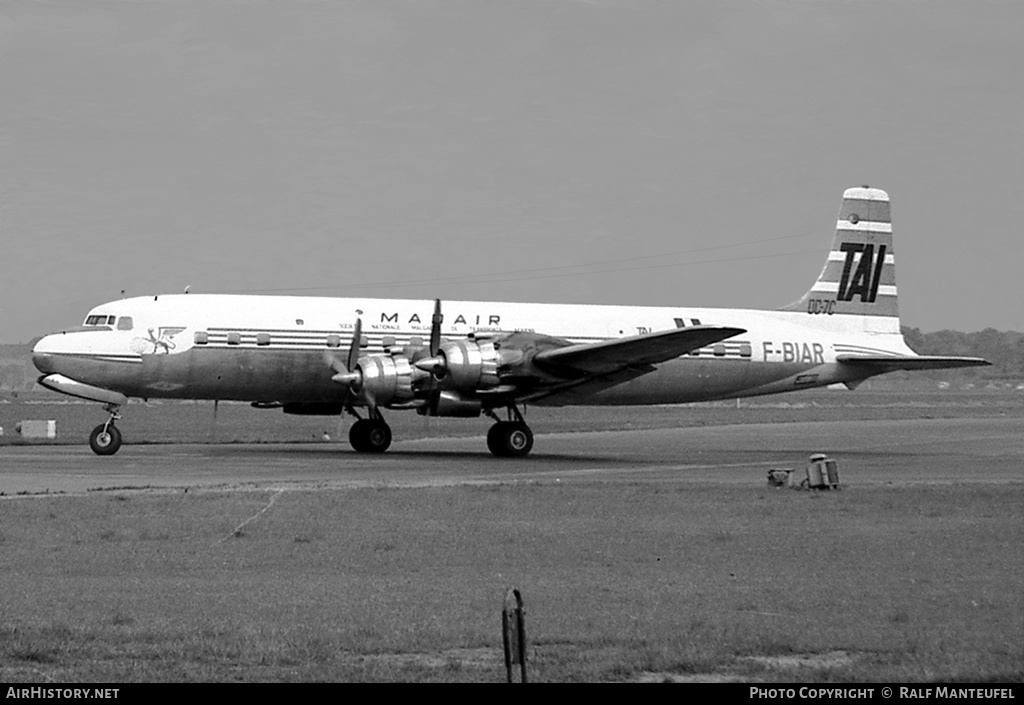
(869, 452)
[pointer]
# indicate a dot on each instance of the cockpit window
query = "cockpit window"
(125, 323)
(103, 320)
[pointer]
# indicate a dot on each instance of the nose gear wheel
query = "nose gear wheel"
(105, 439)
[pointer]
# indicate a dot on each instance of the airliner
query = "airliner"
(331, 356)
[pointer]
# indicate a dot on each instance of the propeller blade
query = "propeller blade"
(332, 361)
(371, 402)
(435, 328)
(357, 341)
(347, 372)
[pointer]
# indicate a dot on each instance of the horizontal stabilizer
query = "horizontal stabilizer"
(647, 349)
(886, 363)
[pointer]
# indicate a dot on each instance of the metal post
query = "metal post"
(513, 632)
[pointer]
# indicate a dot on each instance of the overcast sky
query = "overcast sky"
(544, 150)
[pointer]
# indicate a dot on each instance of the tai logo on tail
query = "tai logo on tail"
(859, 276)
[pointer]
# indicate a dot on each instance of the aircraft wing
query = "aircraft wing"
(889, 363)
(609, 356)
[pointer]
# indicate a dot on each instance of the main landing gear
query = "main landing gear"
(105, 439)
(372, 435)
(505, 439)
(512, 438)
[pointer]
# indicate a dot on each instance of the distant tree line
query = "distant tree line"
(1004, 349)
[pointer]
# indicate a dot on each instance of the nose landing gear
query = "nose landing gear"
(105, 439)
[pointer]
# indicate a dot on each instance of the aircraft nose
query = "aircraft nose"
(42, 355)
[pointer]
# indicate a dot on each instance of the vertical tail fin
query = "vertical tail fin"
(859, 276)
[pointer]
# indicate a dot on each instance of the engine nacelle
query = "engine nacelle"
(470, 364)
(445, 403)
(386, 379)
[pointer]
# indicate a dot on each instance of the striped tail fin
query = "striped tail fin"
(859, 276)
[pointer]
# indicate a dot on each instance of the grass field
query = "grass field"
(622, 581)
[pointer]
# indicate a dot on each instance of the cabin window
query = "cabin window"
(416, 341)
(745, 350)
(334, 341)
(201, 337)
(719, 350)
(263, 338)
(234, 338)
(125, 323)
(388, 341)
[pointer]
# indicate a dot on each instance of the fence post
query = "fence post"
(513, 632)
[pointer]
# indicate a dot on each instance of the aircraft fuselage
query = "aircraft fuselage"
(270, 349)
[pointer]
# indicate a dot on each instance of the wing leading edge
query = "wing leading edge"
(609, 356)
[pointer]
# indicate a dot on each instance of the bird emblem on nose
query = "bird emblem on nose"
(159, 343)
